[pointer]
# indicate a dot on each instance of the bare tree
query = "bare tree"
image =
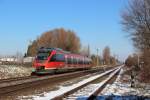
(132, 60)
(32, 48)
(94, 60)
(136, 20)
(113, 60)
(106, 55)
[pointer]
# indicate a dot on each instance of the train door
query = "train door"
(66, 61)
(72, 65)
(57, 60)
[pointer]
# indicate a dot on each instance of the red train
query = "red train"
(51, 60)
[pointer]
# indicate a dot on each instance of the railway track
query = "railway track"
(92, 90)
(84, 88)
(14, 84)
(16, 79)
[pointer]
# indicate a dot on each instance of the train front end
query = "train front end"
(41, 61)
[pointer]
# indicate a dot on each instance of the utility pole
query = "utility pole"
(97, 57)
(88, 50)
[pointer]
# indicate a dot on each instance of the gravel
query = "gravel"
(12, 71)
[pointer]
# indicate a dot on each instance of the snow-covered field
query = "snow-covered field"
(12, 71)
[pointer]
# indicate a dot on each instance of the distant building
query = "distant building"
(28, 59)
(16, 60)
(9, 59)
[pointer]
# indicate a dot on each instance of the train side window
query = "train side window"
(80, 61)
(53, 58)
(77, 60)
(83, 61)
(69, 60)
(58, 58)
(74, 61)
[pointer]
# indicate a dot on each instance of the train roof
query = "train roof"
(42, 49)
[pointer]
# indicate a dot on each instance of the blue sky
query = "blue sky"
(96, 22)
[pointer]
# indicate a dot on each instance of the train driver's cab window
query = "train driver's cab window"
(42, 55)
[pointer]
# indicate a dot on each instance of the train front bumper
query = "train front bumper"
(43, 71)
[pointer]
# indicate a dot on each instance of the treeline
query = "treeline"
(69, 41)
(58, 38)
(106, 59)
(132, 60)
(136, 21)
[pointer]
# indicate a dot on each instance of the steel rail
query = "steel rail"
(7, 86)
(72, 90)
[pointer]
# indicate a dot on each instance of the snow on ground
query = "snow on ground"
(63, 89)
(89, 89)
(12, 71)
(122, 87)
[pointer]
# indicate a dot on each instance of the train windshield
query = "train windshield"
(42, 55)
